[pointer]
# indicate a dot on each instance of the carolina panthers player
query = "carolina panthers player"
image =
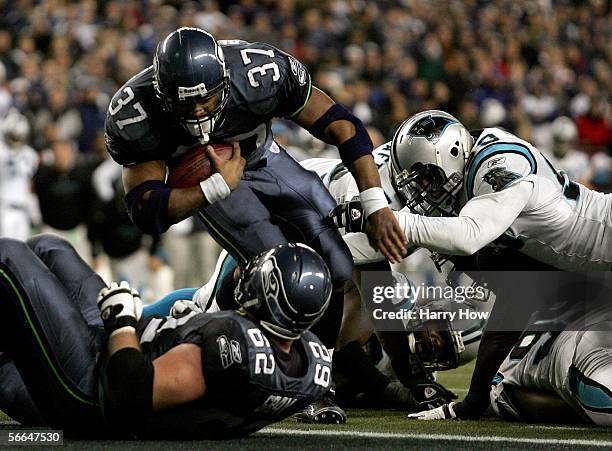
(18, 163)
(78, 356)
(356, 325)
(465, 192)
(560, 370)
(199, 90)
(439, 169)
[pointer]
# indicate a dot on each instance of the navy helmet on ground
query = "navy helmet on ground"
(191, 80)
(286, 288)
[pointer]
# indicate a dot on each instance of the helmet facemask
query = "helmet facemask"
(214, 102)
(427, 191)
(428, 156)
(191, 80)
(436, 344)
(190, 99)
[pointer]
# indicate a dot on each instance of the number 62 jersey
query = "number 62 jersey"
(264, 83)
(250, 383)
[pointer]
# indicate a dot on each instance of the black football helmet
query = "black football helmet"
(286, 288)
(191, 80)
(436, 342)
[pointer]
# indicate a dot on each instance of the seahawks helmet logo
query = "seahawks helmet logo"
(271, 283)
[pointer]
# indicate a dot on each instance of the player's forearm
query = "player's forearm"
(481, 221)
(365, 172)
(494, 347)
(183, 202)
(153, 206)
(127, 339)
(129, 395)
(453, 236)
(363, 253)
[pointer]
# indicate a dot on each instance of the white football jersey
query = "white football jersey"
(576, 364)
(342, 186)
(17, 167)
(564, 224)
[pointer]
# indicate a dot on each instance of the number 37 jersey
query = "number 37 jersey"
(264, 83)
(249, 383)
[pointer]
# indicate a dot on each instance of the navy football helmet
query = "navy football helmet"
(286, 288)
(437, 344)
(191, 80)
(435, 341)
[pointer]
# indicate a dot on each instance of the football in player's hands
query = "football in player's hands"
(194, 166)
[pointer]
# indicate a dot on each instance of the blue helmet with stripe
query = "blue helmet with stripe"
(191, 80)
(428, 156)
(286, 288)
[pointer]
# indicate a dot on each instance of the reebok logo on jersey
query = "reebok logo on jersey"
(495, 161)
(236, 354)
(429, 392)
(298, 71)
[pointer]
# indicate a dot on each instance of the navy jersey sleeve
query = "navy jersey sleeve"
(296, 89)
(130, 131)
(121, 150)
(271, 82)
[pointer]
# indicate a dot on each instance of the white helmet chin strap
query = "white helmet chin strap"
(468, 143)
(412, 343)
(201, 129)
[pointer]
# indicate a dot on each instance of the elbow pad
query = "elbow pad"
(149, 215)
(351, 149)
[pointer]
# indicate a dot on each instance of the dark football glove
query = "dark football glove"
(349, 215)
(431, 395)
(400, 397)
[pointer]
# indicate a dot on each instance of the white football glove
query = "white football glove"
(183, 307)
(120, 307)
(202, 296)
(444, 412)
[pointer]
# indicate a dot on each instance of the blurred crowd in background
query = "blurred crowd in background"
(539, 68)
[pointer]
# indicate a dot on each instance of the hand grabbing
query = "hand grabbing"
(120, 307)
(183, 307)
(444, 412)
(349, 215)
(386, 235)
(231, 170)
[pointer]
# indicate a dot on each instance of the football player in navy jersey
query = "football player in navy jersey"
(201, 91)
(76, 354)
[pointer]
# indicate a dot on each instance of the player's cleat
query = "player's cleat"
(322, 411)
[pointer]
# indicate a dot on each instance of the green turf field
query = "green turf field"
(388, 429)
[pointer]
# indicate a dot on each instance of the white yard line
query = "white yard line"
(436, 437)
(559, 428)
